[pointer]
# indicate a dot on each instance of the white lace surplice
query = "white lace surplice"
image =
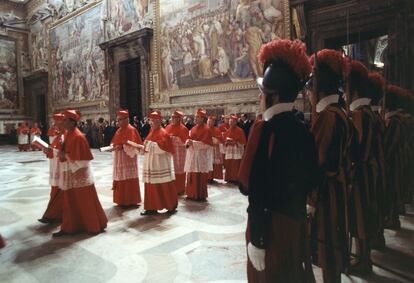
(54, 169)
(218, 156)
(23, 139)
(234, 151)
(158, 165)
(199, 158)
(125, 164)
(75, 174)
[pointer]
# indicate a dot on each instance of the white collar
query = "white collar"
(390, 114)
(359, 102)
(326, 101)
(276, 109)
(376, 108)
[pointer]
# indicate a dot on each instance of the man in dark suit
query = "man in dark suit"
(245, 124)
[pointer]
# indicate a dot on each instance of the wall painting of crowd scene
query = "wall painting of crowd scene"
(211, 42)
(128, 16)
(77, 64)
(8, 75)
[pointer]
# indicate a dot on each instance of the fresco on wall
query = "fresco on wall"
(39, 46)
(8, 75)
(128, 16)
(77, 63)
(215, 41)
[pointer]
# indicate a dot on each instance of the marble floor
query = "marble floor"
(202, 242)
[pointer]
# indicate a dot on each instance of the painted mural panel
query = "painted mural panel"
(39, 45)
(8, 75)
(128, 16)
(216, 41)
(77, 63)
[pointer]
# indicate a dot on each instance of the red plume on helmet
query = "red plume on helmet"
(293, 53)
(335, 60)
(376, 79)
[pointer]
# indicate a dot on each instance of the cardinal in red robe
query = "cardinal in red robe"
(53, 213)
(126, 191)
(23, 136)
(35, 132)
(218, 140)
(199, 158)
(160, 191)
(179, 134)
(234, 148)
(82, 211)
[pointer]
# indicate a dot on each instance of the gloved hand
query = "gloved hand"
(256, 256)
(310, 210)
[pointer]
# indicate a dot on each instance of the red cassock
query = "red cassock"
(82, 211)
(223, 127)
(234, 149)
(126, 190)
(179, 134)
(53, 211)
(160, 191)
(199, 162)
(218, 141)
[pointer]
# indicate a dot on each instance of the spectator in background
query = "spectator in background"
(136, 123)
(100, 136)
(245, 124)
(87, 131)
(145, 128)
(94, 135)
(109, 132)
(189, 123)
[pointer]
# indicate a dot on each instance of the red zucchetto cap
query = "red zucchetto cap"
(155, 115)
(58, 116)
(212, 117)
(123, 113)
(233, 116)
(201, 112)
(72, 114)
(177, 114)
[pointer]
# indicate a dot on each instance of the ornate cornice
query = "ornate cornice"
(144, 33)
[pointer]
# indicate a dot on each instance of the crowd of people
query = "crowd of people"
(313, 190)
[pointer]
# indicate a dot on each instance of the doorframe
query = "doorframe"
(129, 46)
(122, 82)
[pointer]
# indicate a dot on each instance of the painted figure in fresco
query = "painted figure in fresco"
(167, 71)
(223, 62)
(141, 8)
(243, 12)
(11, 20)
(254, 38)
